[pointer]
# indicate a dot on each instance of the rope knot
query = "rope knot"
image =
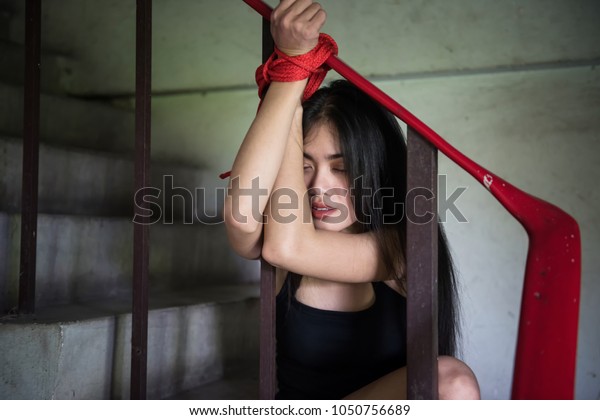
(283, 68)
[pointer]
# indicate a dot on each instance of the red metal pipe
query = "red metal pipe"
(547, 337)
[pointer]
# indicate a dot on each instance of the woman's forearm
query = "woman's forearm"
(291, 241)
(295, 27)
(289, 220)
(256, 166)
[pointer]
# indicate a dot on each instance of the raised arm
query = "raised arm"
(256, 165)
(293, 243)
(295, 27)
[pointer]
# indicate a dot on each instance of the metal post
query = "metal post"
(422, 265)
(141, 246)
(31, 144)
(267, 368)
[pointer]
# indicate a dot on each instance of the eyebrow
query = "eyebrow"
(328, 157)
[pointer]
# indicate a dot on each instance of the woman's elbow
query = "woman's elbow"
(272, 254)
(245, 245)
(236, 221)
(278, 253)
(244, 238)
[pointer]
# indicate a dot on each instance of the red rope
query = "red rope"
(284, 68)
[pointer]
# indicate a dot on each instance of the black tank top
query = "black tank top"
(324, 354)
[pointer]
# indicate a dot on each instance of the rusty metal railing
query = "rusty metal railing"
(421, 254)
(141, 232)
(29, 203)
(31, 146)
(421, 271)
(267, 365)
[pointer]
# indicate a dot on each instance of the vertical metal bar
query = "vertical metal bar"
(421, 259)
(31, 144)
(141, 232)
(267, 366)
(268, 45)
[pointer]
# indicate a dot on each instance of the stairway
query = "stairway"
(203, 320)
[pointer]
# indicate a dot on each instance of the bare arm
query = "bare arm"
(295, 27)
(291, 241)
(256, 165)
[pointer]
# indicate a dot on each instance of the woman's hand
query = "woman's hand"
(295, 25)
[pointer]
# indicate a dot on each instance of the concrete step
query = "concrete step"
(88, 182)
(240, 383)
(83, 351)
(70, 122)
(83, 258)
(53, 67)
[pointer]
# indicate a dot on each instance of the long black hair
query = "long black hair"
(374, 151)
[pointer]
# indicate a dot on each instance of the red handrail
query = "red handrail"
(547, 337)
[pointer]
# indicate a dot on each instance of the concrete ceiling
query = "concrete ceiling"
(214, 44)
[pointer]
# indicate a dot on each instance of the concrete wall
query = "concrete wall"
(212, 43)
(538, 130)
(514, 85)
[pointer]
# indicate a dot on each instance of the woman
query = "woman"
(330, 183)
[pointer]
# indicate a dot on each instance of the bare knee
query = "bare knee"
(456, 380)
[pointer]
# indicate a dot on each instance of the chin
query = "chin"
(332, 227)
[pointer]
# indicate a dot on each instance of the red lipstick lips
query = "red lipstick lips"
(321, 210)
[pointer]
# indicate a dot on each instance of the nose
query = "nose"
(326, 186)
(320, 182)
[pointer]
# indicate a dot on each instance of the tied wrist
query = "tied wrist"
(293, 53)
(281, 67)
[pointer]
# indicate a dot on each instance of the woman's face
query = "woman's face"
(326, 180)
